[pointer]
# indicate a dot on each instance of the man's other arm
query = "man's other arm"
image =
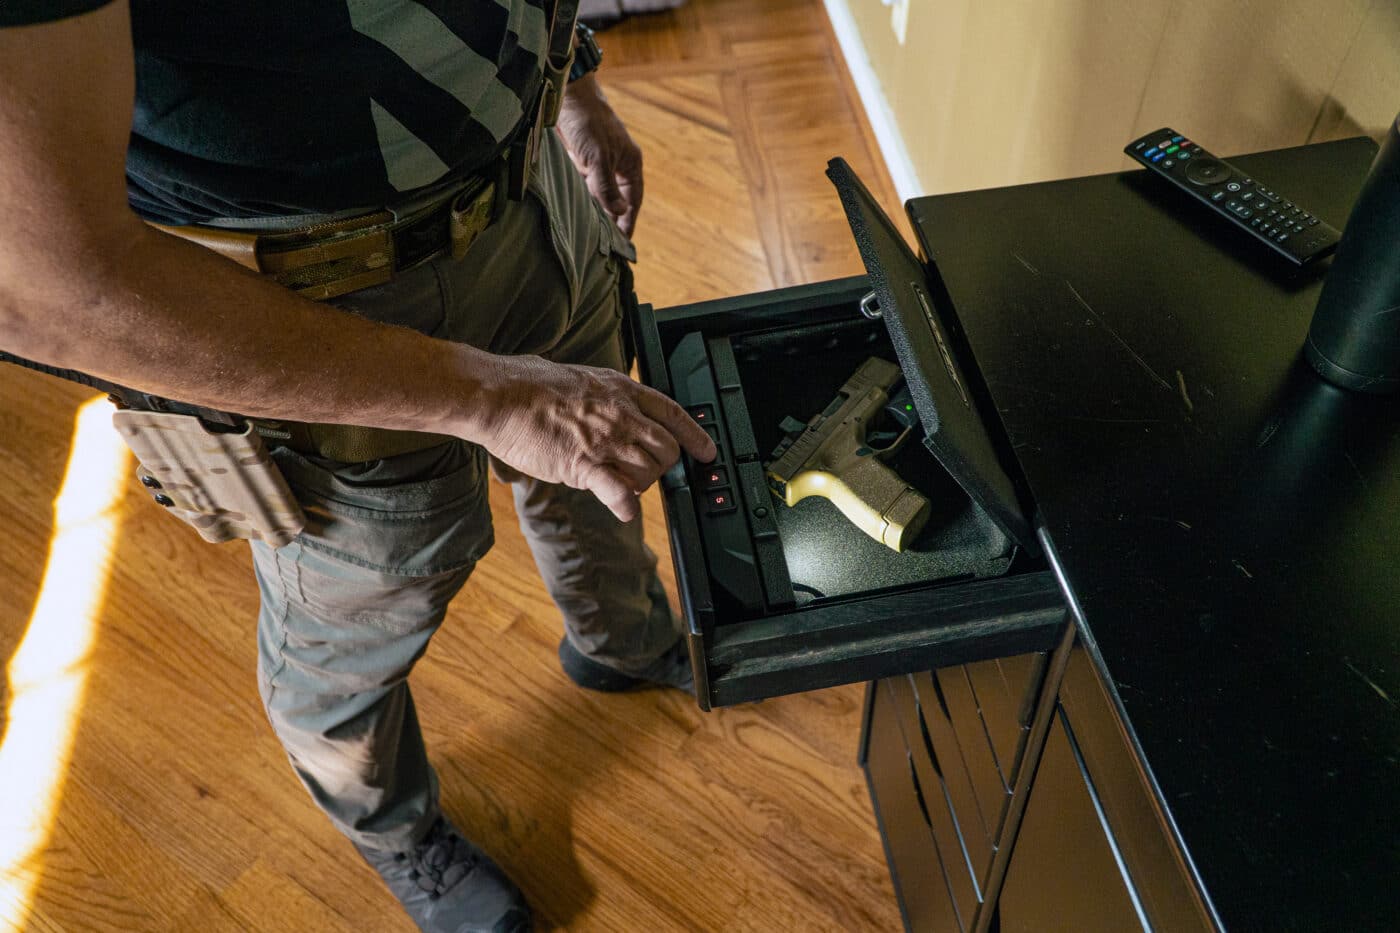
(85, 285)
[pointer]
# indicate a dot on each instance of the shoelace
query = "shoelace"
(441, 860)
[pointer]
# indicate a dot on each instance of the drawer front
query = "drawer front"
(1003, 694)
(920, 879)
(1065, 873)
(948, 803)
(960, 739)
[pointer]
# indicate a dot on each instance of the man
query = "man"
(276, 124)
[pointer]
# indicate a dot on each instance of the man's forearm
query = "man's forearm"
(168, 317)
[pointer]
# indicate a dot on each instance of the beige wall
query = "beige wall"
(997, 92)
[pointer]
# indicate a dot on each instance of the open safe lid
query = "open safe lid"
(953, 429)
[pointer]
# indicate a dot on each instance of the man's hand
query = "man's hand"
(586, 427)
(602, 151)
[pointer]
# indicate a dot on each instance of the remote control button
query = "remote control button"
(704, 414)
(1233, 186)
(1280, 238)
(1139, 144)
(1195, 150)
(714, 477)
(1247, 196)
(1267, 193)
(1168, 163)
(1183, 155)
(1171, 149)
(1157, 156)
(1256, 222)
(1207, 172)
(1176, 139)
(1164, 144)
(1218, 196)
(1312, 222)
(719, 502)
(1248, 182)
(1232, 204)
(1242, 211)
(1185, 143)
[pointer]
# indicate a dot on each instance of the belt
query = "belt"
(334, 258)
(329, 259)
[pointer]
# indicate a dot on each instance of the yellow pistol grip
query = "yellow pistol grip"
(871, 495)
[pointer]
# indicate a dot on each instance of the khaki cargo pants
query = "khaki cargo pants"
(350, 605)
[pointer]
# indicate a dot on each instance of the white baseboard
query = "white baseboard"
(872, 98)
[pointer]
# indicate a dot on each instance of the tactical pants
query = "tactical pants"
(350, 605)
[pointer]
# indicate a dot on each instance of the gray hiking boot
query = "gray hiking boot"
(448, 885)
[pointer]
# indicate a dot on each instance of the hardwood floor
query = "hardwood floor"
(636, 812)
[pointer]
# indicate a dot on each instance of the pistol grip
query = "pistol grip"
(871, 495)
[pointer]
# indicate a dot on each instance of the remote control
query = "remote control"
(1268, 216)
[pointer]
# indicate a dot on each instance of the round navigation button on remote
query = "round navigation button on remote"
(1207, 171)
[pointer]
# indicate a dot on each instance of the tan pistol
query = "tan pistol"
(830, 457)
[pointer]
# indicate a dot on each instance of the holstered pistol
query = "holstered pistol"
(224, 483)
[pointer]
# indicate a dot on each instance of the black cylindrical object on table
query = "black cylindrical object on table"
(1354, 341)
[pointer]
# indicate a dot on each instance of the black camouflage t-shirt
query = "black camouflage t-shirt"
(277, 107)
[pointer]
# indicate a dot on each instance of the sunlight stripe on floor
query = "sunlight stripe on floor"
(48, 673)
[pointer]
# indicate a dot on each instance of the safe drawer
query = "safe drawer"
(781, 599)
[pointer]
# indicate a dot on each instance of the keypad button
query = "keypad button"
(1176, 139)
(1158, 155)
(1233, 186)
(1287, 205)
(1280, 238)
(1183, 155)
(1256, 222)
(714, 477)
(1247, 196)
(1242, 211)
(714, 436)
(1139, 145)
(719, 501)
(1168, 163)
(1218, 196)
(1312, 222)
